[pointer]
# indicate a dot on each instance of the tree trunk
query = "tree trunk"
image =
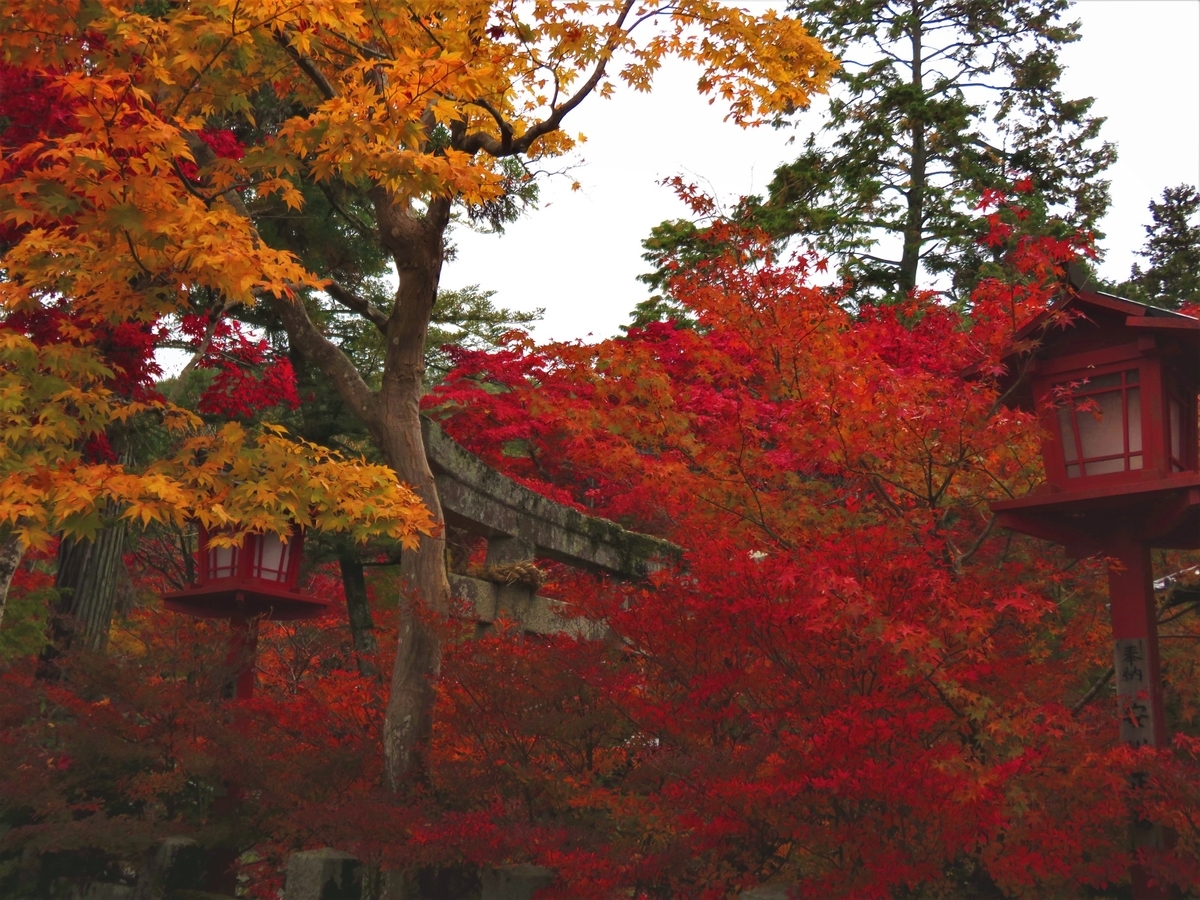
(416, 245)
(392, 415)
(87, 584)
(362, 626)
(914, 220)
(11, 551)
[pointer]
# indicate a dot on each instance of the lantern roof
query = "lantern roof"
(1084, 318)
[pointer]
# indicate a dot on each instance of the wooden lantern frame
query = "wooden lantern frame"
(247, 586)
(1160, 443)
(1156, 502)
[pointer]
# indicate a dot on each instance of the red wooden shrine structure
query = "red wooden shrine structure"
(246, 585)
(1114, 384)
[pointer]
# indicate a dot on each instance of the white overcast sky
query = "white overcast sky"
(580, 253)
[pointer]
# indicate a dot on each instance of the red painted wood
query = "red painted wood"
(244, 594)
(219, 599)
(1161, 513)
(246, 599)
(243, 645)
(1131, 593)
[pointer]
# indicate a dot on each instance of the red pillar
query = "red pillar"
(220, 861)
(243, 645)
(1135, 646)
(1138, 679)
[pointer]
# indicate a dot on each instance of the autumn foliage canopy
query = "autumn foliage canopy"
(855, 685)
(852, 682)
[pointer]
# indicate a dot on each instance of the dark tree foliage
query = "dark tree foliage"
(1172, 251)
(467, 317)
(937, 101)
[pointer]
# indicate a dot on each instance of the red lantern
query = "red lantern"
(247, 584)
(1115, 390)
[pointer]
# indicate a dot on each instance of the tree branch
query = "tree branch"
(214, 319)
(964, 558)
(473, 143)
(1093, 691)
(354, 303)
(371, 52)
(322, 352)
(308, 67)
(506, 131)
(362, 228)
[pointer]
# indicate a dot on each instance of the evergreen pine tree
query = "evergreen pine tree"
(1172, 249)
(937, 100)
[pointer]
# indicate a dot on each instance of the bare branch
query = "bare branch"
(304, 336)
(371, 52)
(364, 230)
(506, 131)
(213, 319)
(964, 558)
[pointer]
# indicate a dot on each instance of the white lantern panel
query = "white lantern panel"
(222, 562)
(272, 558)
(1101, 427)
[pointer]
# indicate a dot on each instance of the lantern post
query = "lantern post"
(1115, 390)
(246, 585)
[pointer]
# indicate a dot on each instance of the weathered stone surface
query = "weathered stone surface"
(478, 498)
(324, 874)
(514, 882)
(502, 551)
(479, 594)
(175, 864)
(536, 614)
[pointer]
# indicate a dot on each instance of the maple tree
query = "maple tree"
(77, 365)
(858, 685)
(139, 744)
(399, 111)
(855, 684)
(57, 478)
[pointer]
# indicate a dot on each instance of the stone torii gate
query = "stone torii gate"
(520, 525)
